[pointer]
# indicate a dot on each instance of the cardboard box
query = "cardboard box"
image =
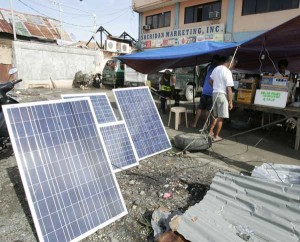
(247, 84)
(275, 80)
(246, 91)
(245, 96)
(274, 87)
(271, 98)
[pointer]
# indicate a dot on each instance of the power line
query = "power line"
(114, 18)
(55, 2)
(123, 11)
(71, 7)
(54, 9)
(76, 25)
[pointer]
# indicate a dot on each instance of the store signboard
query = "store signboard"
(176, 37)
(271, 98)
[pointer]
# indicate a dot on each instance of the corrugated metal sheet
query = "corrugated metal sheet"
(265, 210)
(278, 172)
(31, 26)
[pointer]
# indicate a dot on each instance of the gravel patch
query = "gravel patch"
(168, 180)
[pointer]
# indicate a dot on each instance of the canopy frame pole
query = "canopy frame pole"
(234, 56)
(194, 85)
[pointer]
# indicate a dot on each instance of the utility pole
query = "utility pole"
(60, 17)
(13, 20)
(95, 24)
(60, 20)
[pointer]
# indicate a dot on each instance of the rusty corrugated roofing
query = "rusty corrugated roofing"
(239, 208)
(31, 26)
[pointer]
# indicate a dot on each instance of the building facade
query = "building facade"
(165, 23)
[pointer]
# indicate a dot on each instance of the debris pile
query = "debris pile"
(83, 81)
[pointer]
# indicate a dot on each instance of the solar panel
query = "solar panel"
(140, 114)
(101, 105)
(65, 170)
(119, 145)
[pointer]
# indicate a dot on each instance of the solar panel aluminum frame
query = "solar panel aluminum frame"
(23, 176)
(130, 140)
(80, 95)
(119, 107)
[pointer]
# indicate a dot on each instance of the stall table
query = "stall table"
(288, 112)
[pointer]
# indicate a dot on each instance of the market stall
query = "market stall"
(267, 93)
(271, 92)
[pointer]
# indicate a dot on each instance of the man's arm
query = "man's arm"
(211, 82)
(173, 80)
(229, 97)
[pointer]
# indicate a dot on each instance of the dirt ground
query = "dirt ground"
(142, 187)
(186, 176)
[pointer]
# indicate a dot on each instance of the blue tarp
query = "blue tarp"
(178, 56)
(280, 42)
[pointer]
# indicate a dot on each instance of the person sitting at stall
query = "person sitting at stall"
(282, 65)
(167, 86)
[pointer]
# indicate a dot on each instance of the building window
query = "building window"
(265, 6)
(159, 20)
(201, 12)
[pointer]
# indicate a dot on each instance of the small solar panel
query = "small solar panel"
(119, 145)
(140, 114)
(101, 105)
(65, 170)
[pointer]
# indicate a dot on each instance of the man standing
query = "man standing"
(222, 81)
(206, 96)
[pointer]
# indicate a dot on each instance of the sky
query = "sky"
(116, 16)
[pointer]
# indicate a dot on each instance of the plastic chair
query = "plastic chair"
(178, 111)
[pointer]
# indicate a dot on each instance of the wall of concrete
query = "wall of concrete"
(51, 66)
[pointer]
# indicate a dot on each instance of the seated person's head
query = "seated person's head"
(167, 73)
(282, 65)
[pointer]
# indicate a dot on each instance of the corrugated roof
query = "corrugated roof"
(31, 26)
(264, 210)
(278, 172)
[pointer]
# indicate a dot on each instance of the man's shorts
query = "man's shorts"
(221, 109)
(205, 102)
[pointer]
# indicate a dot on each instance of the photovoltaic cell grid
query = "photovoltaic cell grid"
(101, 105)
(68, 180)
(119, 145)
(117, 141)
(143, 121)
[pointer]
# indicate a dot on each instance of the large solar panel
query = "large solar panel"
(66, 173)
(119, 145)
(101, 105)
(147, 131)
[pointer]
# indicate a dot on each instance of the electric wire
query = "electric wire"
(86, 14)
(71, 7)
(37, 11)
(275, 171)
(271, 60)
(55, 9)
(115, 18)
(70, 24)
(259, 59)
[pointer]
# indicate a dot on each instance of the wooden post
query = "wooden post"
(297, 141)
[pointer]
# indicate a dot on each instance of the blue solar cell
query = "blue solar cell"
(119, 145)
(68, 180)
(143, 121)
(101, 105)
